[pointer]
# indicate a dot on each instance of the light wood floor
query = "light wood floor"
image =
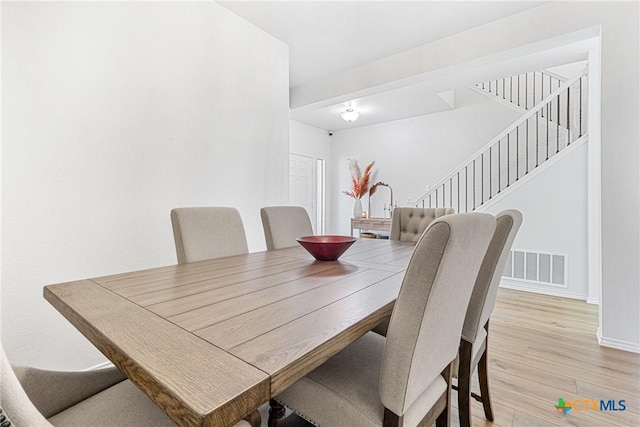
(542, 348)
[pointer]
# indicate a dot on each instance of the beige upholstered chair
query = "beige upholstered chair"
(408, 224)
(473, 345)
(283, 224)
(404, 379)
(207, 233)
(32, 397)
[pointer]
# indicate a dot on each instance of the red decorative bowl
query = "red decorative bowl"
(326, 248)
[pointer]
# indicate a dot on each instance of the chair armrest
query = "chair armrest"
(54, 391)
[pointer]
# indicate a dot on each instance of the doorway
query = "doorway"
(307, 187)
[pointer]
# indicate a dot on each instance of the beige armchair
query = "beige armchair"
(283, 224)
(475, 332)
(31, 397)
(207, 232)
(405, 379)
(408, 224)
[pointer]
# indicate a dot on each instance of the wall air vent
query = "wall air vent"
(537, 267)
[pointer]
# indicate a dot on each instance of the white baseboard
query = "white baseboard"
(556, 291)
(593, 300)
(617, 344)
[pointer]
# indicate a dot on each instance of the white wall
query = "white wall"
(114, 113)
(412, 153)
(553, 202)
(309, 141)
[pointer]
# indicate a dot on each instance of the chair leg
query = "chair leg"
(464, 384)
(276, 414)
(254, 419)
(444, 418)
(483, 377)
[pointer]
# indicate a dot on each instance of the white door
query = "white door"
(301, 183)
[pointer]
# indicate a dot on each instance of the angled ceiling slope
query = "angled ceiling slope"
(330, 38)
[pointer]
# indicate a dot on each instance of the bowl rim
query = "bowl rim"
(311, 238)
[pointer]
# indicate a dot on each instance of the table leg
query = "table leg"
(276, 414)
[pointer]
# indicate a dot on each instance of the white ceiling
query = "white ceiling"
(328, 37)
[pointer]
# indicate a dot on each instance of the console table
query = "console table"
(377, 224)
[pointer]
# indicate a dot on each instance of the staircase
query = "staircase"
(553, 119)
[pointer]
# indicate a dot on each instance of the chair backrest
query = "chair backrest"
(14, 401)
(207, 232)
(283, 224)
(426, 323)
(408, 224)
(485, 291)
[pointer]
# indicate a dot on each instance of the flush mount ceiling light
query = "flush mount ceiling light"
(349, 115)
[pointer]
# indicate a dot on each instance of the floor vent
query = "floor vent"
(537, 267)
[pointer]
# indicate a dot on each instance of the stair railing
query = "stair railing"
(543, 131)
(524, 90)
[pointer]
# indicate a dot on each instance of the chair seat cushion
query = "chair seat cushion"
(122, 404)
(344, 390)
(119, 405)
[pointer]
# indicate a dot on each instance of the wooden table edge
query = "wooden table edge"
(179, 410)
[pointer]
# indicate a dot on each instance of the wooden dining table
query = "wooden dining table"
(211, 341)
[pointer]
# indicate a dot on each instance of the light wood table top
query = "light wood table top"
(211, 341)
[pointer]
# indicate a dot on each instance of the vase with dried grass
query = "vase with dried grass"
(359, 185)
